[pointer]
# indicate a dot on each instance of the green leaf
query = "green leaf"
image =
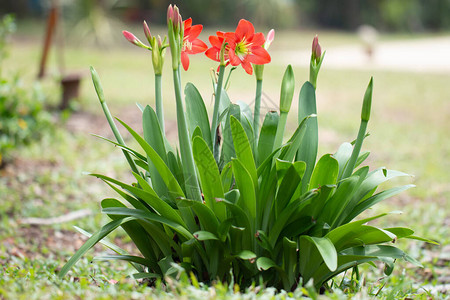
(246, 255)
(148, 216)
(128, 258)
(295, 141)
(167, 176)
(289, 185)
(325, 248)
(339, 234)
(374, 179)
(267, 135)
(243, 149)
(290, 259)
(369, 202)
(145, 275)
(307, 150)
(345, 262)
(400, 232)
(227, 138)
(197, 115)
(226, 177)
(197, 132)
(284, 217)
(342, 156)
(265, 263)
(209, 176)
(206, 217)
(376, 250)
(149, 197)
(338, 201)
(205, 235)
(137, 234)
(244, 181)
(152, 132)
(94, 239)
(364, 235)
(325, 172)
(362, 157)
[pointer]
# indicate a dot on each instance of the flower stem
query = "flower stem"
(190, 175)
(215, 117)
(112, 124)
(158, 101)
(257, 108)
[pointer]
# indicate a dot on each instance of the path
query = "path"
(418, 55)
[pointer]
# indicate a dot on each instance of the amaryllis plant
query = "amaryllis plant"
(235, 201)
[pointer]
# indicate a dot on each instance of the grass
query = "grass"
(409, 128)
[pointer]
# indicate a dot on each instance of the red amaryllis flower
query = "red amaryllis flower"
(191, 43)
(246, 46)
(216, 43)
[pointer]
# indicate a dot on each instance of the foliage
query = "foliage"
(22, 113)
(267, 210)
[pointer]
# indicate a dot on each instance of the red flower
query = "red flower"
(246, 46)
(191, 44)
(216, 43)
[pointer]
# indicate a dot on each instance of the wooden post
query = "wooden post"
(51, 25)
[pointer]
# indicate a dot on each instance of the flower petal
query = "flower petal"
(197, 46)
(247, 67)
(258, 39)
(213, 53)
(216, 41)
(234, 60)
(244, 29)
(194, 32)
(185, 60)
(187, 23)
(259, 56)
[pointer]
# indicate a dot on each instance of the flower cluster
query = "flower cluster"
(243, 47)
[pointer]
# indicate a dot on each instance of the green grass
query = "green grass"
(408, 127)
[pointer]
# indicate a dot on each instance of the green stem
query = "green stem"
(313, 72)
(190, 175)
(356, 149)
(101, 97)
(158, 101)
(215, 117)
(118, 137)
(280, 131)
(257, 108)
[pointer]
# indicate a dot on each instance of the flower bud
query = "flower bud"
(97, 85)
(147, 32)
(269, 39)
(287, 90)
(367, 102)
(169, 13)
(133, 39)
(316, 49)
(177, 21)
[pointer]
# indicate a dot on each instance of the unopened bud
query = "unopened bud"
(133, 39)
(367, 102)
(170, 13)
(147, 32)
(316, 49)
(287, 90)
(269, 39)
(176, 19)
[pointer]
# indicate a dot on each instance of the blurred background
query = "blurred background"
(48, 107)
